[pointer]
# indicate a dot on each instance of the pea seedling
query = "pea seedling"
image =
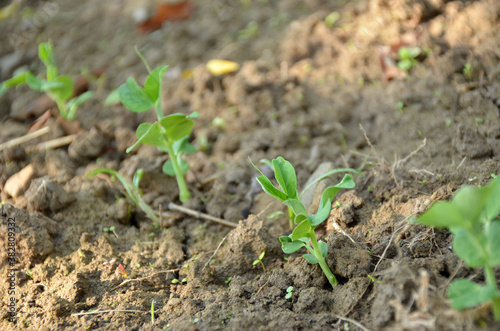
(289, 292)
(259, 260)
(407, 57)
(473, 217)
(133, 191)
(303, 234)
(58, 87)
(169, 133)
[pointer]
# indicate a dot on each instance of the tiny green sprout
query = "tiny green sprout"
(138, 265)
(152, 312)
(467, 70)
(472, 179)
(472, 217)
(29, 273)
(194, 258)
(166, 326)
(303, 224)
(250, 31)
(400, 105)
(169, 134)
(228, 280)
(196, 320)
(493, 176)
(175, 281)
(219, 122)
(289, 292)
(407, 57)
(478, 120)
(151, 266)
(275, 215)
(331, 19)
(132, 189)
(151, 235)
(80, 254)
(184, 280)
(110, 229)
(59, 88)
(259, 260)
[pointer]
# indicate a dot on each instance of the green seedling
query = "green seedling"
(473, 217)
(29, 273)
(303, 225)
(289, 292)
(467, 70)
(152, 312)
(59, 88)
(169, 134)
(259, 260)
(407, 57)
(111, 229)
(228, 280)
(133, 191)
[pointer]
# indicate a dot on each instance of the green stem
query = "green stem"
(159, 112)
(489, 274)
(291, 216)
(322, 263)
(184, 194)
(62, 109)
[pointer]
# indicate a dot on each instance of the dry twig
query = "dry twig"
(27, 137)
(198, 214)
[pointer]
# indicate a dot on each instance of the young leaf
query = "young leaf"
(493, 204)
(137, 178)
(493, 243)
(469, 247)
(177, 126)
(323, 247)
(292, 247)
(149, 134)
(168, 167)
(466, 294)
(470, 202)
(442, 214)
(301, 231)
(296, 206)
(269, 188)
(64, 90)
(285, 176)
(14, 81)
(310, 258)
(152, 85)
(133, 97)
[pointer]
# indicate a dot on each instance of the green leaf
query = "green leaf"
(269, 188)
(310, 258)
(46, 54)
(292, 247)
(133, 97)
(152, 85)
(74, 103)
(470, 248)
(64, 91)
(325, 205)
(168, 167)
(177, 126)
(137, 178)
(329, 173)
(182, 146)
(34, 82)
(296, 206)
(14, 81)
(285, 176)
(112, 99)
(442, 214)
(303, 230)
(466, 294)
(149, 134)
(323, 247)
(470, 202)
(493, 244)
(493, 204)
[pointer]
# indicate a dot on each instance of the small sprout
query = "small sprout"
(331, 19)
(422, 181)
(251, 30)
(80, 253)
(186, 266)
(166, 326)
(132, 189)
(196, 320)
(228, 280)
(467, 70)
(59, 88)
(493, 176)
(111, 229)
(407, 57)
(448, 123)
(289, 292)
(219, 122)
(259, 260)
(138, 265)
(175, 281)
(184, 280)
(472, 179)
(151, 235)
(152, 312)
(29, 273)
(194, 258)
(221, 67)
(303, 224)
(419, 133)
(400, 105)
(472, 216)
(479, 120)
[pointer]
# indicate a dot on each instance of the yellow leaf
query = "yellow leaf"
(221, 67)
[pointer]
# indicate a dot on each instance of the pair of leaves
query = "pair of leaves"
(164, 132)
(466, 294)
(471, 217)
(290, 246)
(180, 147)
(138, 99)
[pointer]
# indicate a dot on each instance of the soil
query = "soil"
(321, 95)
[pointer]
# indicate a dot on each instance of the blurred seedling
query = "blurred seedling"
(259, 260)
(152, 312)
(289, 292)
(408, 57)
(473, 218)
(169, 133)
(303, 225)
(59, 88)
(110, 229)
(467, 70)
(132, 189)
(228, 280)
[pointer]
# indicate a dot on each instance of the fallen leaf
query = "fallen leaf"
(167, 12)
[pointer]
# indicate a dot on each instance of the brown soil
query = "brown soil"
(303, 91)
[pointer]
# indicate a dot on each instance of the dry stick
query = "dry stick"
(110, 311)
(350, 320)
(143, 278)
(218, 247)
(198, 214)
(25, 138)
(51, 144)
